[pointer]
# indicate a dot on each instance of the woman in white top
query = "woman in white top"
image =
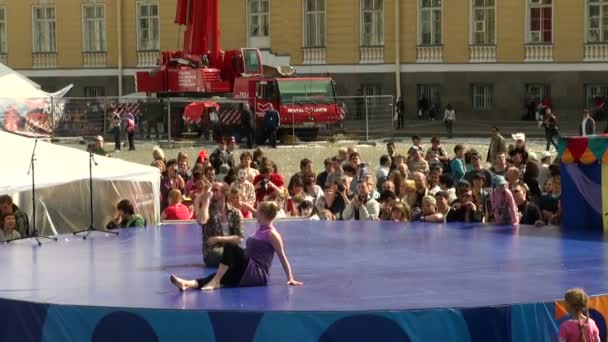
(449, 116)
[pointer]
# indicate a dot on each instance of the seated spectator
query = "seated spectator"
(332, 201)
(97, 147)
(549, 202)
(437, 150)
(224, 170)
(267, 182)
(160, 165)
(258, 155)
(443, 206)
(322, 177)
(183, 166)
(410, 194)
(246, 164)
(504, 209)
(222, 223)
(480, 194)
(415, 146)
(363, 206)
(477, 168)
(465, 210)
(391, 152)
(197, 174)
(305, 167)
(310, 188)
(530, 177)
(457, 166)
(210, 174)
(387, 185)
(176, 210)
(219, 156)
(327, 215)
(125, 217)
(369, 180)
(387, 202)
(230, 148)
(307, 210)
(169, 181)
(235, 200)
(422, 189)
(383, 170)
(447, 184)
(9, 227)
(245, 188)
(500, 165)
(359, 170)
(400, 212)
(429, 211)
(512, 176)
(158, 154)
(529, 213)
(433, 180)
(519, 147)
(8, 207)
(417, 163)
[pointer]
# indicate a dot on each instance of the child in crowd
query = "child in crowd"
(580, 327)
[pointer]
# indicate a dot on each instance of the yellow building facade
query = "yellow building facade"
(488, 58)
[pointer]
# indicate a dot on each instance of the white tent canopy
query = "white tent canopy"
(62, 184)
(15, 85)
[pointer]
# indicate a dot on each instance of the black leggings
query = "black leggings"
(234, 257)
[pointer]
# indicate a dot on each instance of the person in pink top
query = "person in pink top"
(504, 207)
(580, 327)
(176, 210)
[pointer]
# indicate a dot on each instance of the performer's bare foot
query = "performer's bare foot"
(180, 283)
(212, 285)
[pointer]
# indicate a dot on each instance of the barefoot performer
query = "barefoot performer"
(247, 268)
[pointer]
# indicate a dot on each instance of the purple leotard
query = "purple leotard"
(261, 253)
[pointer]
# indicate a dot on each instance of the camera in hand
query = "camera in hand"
(265, 184)
(362, 198)
(341, 188)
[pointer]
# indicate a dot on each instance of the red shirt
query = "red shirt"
(177, 212)
(275, 178)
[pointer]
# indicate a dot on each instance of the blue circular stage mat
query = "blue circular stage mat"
(362, 281)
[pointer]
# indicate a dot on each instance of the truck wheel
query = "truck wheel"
(307, 134)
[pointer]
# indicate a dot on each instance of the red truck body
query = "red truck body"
(201, 70)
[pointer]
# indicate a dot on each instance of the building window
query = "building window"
(483, 96)
(597, 21)
(44, 29)
(147, 26)
(314, 23)
(94, 28)
(540, 22)
(427, 95)
(372, 23)
(538, 91)
(430, 22)
(595, 94)
(484, 22)
(259, 23)
(94, 91)
(3, 47)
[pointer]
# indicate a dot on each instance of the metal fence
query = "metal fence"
(160, 119)
(359, 117)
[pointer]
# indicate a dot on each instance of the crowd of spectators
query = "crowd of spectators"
(509, 186)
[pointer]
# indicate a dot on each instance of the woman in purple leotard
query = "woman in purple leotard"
(250, 267)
